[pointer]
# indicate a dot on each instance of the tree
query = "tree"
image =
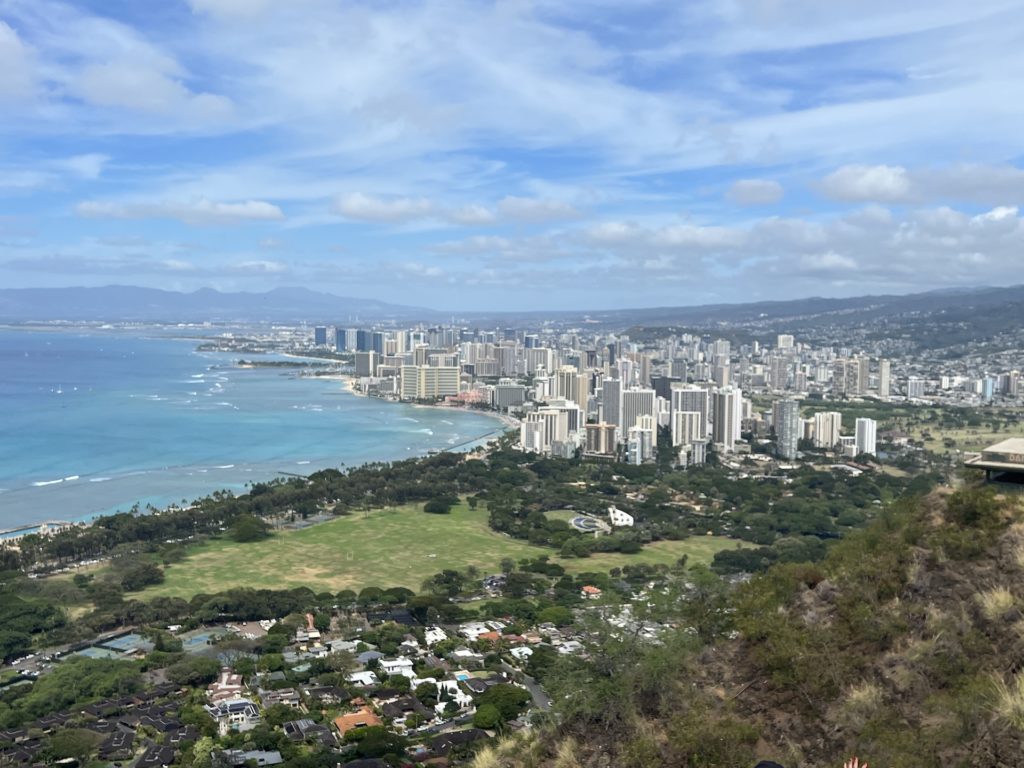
(376, 741)
(76, 743)
(322, 621)
(194, 671)
(249, 528)
(487, 716)
(441, 506)
(508, 699)
(555, 614)
(278, 714)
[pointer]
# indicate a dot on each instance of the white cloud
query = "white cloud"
(231, 9)
(534, 209)
(475, 245)
(197, 213)
(17, 79)
(869, 183)
(472, 215)
(968, 182)
(356, 205)
(88, 166)
(826, 262)
(128, 85)
(755, 192)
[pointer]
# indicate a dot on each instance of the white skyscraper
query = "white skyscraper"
(866, 431)
(827, 427)
(611, 403)
(727, 418)
(636, 402)
(689, 399)
(642, 440)
(786, 414)
(688, 427)
(884, 387)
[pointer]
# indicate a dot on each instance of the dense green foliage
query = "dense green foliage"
(900, 646)
(72, 683)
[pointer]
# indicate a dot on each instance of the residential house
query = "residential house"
(287, 696)
(307, 730)
(226, 687)
(522, 653)
(365, 679)
(234, 715)
(156, 757)
(400, 666)
(446, 742)
(404, 706)
(117, 746)
(365, 717)
(449, 690)
(434, 635)
(325, 694)
(257, 756)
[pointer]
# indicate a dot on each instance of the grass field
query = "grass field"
(387, 548)
(561, 514)
(964, 439)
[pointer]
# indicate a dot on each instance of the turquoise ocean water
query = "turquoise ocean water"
(95, 422)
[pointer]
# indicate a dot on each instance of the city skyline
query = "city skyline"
(512, 155)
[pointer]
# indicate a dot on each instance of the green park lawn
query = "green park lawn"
(386, 548)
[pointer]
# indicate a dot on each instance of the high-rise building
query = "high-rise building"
(340, 339)
(663, 386)
(692, 398)
(429, 382)
(827, 428)
(847, 376)
(508, 394)
(884, 386)
(784, 341)
(863, 374)
(366, 363)
(727, 417)
(636, 402)
(601, 439)
(320, 336)
(866, 430)
(611, 402)
(571, 385)
(915, 388)
(788, 427)
(642, 440)
(688, 427)
(364, 340)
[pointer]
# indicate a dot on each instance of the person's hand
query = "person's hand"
(854, 763)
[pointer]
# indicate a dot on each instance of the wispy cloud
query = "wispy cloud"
(196, 212)
(614, 152)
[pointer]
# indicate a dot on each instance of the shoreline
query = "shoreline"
(350, 381)
(166, 495)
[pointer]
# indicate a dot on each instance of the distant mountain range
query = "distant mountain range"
(121, 302)
(1002, 307)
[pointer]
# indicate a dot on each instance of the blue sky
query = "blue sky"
(517, 154)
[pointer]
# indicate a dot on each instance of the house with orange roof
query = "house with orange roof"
(361, 719)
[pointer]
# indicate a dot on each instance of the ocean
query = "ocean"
(94, 422)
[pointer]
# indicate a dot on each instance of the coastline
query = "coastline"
(351, 386)
(300, 430)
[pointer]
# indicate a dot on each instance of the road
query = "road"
(541, 700)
